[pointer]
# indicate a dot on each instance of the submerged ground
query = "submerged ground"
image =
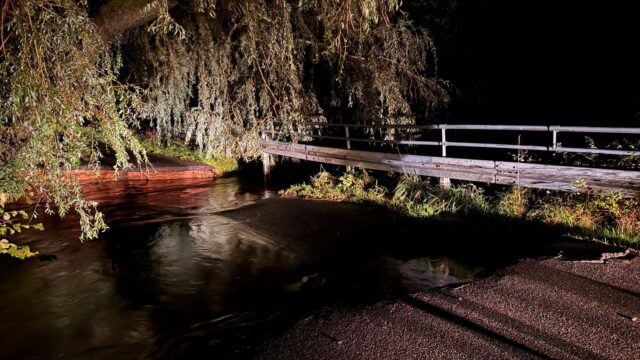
(228, 269)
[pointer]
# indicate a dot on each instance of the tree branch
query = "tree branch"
(118, 16)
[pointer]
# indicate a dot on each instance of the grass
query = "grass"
(411, 196)
(605, 217)
(180, 150)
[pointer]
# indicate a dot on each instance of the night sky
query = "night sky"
(542, 61)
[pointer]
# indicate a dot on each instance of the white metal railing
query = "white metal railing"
(555, 146)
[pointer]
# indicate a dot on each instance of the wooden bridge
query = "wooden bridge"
(469, 168)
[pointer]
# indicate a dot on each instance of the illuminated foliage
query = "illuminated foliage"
(219, 73)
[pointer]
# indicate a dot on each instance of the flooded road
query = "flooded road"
(202, 269)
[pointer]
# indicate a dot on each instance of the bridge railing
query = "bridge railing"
(445, 168)
(554, 144)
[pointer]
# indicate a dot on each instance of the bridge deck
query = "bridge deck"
(553, 177)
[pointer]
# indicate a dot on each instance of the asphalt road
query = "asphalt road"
(546, 308)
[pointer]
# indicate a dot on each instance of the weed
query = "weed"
(607, 217)
(513, 202)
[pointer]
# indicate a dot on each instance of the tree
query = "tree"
(76, 74)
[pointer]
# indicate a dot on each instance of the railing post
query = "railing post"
(444, 181)
(346, 135)
(554, 145)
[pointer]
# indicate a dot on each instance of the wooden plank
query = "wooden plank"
(369, 155)
(89, 176)
(508, 173)
(504, 167)
(389, 165)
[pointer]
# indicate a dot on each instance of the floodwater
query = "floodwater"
(202, 270)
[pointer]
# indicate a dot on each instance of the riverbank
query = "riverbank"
(160, 168)
(604, 217)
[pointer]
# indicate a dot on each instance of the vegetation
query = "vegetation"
(12, 222)
(79, 74)
(179, 150)
(411, 196)
(629, 162)
(606, 217)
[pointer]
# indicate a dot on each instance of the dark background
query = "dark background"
(544, 62)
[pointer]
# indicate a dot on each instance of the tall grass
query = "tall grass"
(417, 197)
(411, 195)
(606, 217)
(348, 187)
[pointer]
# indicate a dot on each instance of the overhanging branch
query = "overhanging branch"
(118, 16)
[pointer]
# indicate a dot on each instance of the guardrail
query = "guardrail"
(489, 171)
(554, 146)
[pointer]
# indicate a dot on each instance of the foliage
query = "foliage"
(418, 197)
(607, 217)
(412, 195)
(629, 162)
(12, 222)
(349, 187)
(223, 72)
(58, 85)
(180, 150)
(252, 68)
(513, 202)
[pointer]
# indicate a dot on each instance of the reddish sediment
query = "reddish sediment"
(161, 168)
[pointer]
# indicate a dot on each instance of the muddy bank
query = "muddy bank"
(161, 168)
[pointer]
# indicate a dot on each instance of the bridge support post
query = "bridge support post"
(444, 182)
(266, 165)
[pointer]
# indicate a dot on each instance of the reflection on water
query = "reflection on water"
(172, 278)
(426, 273)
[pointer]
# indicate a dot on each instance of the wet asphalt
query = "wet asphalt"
(536, 309)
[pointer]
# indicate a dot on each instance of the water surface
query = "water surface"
(199, 270)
